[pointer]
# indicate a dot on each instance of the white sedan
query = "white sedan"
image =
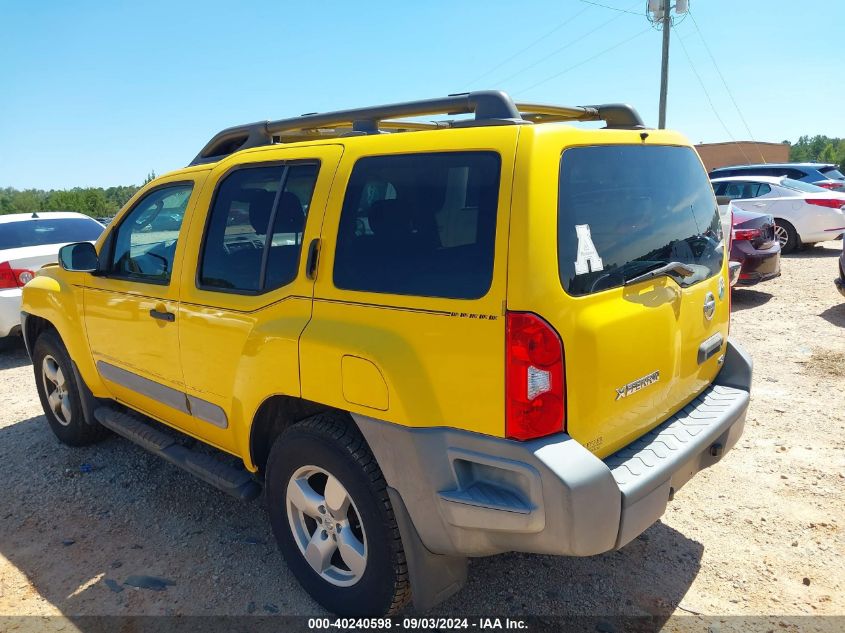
(804, 213)
(27, 242)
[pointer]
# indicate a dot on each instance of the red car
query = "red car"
(754, 245)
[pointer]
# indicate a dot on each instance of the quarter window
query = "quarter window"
(420, 224)
(254, 234)
(145, 241)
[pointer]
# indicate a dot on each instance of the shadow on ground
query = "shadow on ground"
(13, 354)
(745, 298)
(817, 251)
(835, 315)
(78, 522)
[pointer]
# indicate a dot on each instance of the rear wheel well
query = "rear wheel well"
(276, 414)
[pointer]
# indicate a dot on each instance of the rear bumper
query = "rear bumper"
(10, 311)
(757, 265)
(474, 495)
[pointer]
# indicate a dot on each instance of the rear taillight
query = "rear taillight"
(827, 185)
(14, 277)
(831, 203)
(746, 234)
(534, 385)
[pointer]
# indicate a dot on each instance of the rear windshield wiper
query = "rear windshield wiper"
(672, 267)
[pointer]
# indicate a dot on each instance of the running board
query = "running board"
(236, 482)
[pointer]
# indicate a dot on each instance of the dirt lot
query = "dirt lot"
(760, 533)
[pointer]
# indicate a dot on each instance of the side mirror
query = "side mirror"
(80, 257)
(734, 269)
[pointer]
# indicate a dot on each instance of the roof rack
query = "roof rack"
(490, 107)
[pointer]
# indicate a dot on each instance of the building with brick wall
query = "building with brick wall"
(742, 153)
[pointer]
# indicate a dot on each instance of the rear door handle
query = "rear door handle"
(163, 316)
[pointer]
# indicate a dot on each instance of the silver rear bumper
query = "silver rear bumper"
(468, 494)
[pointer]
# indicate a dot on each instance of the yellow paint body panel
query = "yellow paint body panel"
(616, 336)
(414, 361)
(442, 359)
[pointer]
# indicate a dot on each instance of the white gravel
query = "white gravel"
(760, 533)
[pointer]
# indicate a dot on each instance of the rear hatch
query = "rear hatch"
(633, 349)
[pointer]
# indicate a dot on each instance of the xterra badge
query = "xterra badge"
(639, 383)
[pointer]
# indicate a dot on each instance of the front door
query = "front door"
(131, 304)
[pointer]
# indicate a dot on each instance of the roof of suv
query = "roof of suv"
(769, 165)
(489, 107)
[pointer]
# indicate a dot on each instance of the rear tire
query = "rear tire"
(59, 393)
(787, 236)
(328, 504)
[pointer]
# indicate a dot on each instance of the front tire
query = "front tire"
(333, 520)
(59, 393)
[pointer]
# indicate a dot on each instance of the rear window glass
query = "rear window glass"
(832, 173)
(627, 209)
(420, 224)
(48, 231)
(800, 185)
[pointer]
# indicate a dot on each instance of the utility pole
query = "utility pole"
(660, 15)
(664, 64)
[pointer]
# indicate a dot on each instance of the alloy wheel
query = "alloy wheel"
(56, 388)
(782, 235)
(326, 526)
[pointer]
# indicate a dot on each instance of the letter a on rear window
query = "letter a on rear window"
(588, 260)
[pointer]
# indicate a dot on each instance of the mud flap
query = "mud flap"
(434, 577)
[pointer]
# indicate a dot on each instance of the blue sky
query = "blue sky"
(99, 94)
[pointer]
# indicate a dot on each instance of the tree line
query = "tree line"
(94, 201)
(818, 149)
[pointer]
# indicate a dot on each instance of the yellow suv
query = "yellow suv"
(424, 341)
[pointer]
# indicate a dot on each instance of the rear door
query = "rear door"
(408, 319)
(617, 210)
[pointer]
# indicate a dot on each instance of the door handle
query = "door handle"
(313, 256)
(759, 204)
(163, 316)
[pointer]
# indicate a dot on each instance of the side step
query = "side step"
(236, 482)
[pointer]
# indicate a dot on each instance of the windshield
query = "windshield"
(627, 209)
(800, 185)
(37, 232)
(832, 173)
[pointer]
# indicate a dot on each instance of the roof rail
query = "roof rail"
(490, 107)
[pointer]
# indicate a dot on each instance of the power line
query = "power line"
(530, 46)
(724, 83)
(709, 100)
(562, 48)
(581, 63)
(604, 6)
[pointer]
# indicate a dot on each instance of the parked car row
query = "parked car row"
(800, 203)
(822, 175)
(27, 242)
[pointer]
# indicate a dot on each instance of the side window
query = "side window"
(145, 241)
(719, 188)
(420, 224)
(762, 190)
(254, 234)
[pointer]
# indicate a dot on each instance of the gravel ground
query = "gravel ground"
(760, 533)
